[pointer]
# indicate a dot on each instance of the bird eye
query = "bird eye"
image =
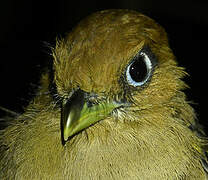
(140, 69)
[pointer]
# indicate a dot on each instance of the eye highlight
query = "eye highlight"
(140, 69)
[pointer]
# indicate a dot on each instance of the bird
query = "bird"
(112, 106)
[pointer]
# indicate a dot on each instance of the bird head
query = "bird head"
(123, 113)
(115, 64)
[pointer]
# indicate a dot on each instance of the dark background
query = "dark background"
(25, 26)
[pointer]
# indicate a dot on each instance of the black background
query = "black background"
(25, 26)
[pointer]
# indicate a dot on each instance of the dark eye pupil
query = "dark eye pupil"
(138, 70)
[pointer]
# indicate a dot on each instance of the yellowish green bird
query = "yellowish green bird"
(113, 109)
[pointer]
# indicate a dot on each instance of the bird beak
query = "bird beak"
(76, 115)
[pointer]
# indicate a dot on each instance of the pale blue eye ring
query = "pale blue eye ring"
(139, 70)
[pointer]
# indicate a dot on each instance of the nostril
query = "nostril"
(90, 99)
(89, 104)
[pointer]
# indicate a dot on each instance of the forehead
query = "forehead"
(113, 32)
(101, 45)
